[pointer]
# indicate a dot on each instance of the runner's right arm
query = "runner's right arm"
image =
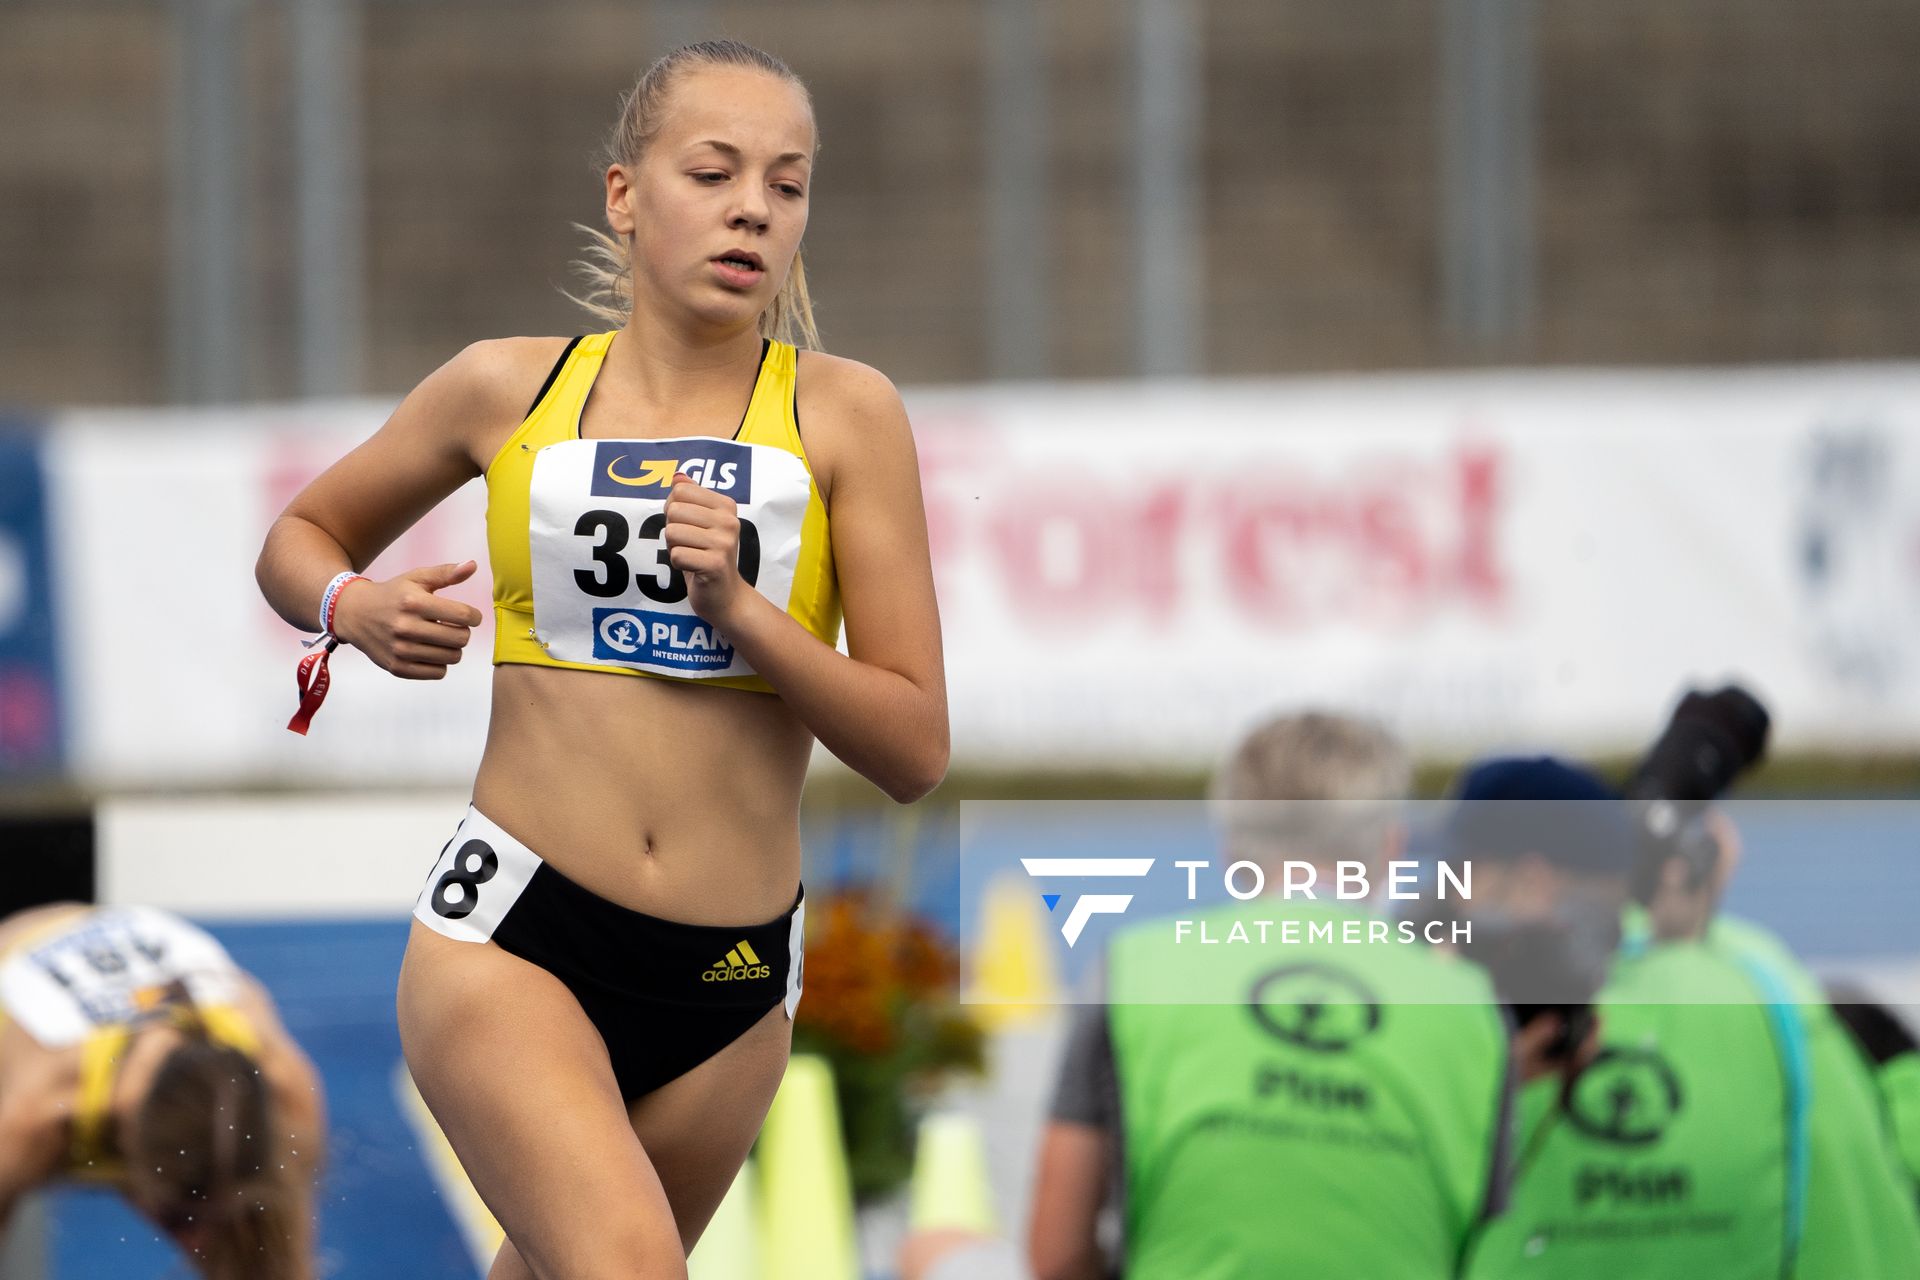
(436, 441)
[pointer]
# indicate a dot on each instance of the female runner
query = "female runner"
(134, 1054)
(597, 996)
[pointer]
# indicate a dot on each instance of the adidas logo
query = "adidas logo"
(740, 963)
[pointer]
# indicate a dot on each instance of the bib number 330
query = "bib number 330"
(659, 581)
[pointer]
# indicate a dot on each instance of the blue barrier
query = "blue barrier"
(31, 707)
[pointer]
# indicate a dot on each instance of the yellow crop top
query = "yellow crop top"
(575, 532)
(91, 1155)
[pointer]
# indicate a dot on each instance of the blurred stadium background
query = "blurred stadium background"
(1493, 367)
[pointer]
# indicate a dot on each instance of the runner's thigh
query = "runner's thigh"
(698, 1127)
(509, 1265)
(519, 1080)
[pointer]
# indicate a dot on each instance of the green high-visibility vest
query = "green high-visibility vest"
(1900, 1086)
(1861, 1221)
(1670, 1155)
(1339, 1120)
(1793, 1114)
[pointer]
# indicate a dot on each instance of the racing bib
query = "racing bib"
(109, 967)
(604, 592)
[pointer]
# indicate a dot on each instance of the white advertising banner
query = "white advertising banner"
(1129, 574)
(1484, 560)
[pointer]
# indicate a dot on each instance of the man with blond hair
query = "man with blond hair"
(1345, 1116)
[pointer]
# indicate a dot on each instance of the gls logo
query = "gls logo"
(645, 468)
(1087, 905)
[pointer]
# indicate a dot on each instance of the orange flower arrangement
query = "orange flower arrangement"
(880, 1004)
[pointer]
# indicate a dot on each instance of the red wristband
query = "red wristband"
(312, 692)
(330, 598)
(311, 677)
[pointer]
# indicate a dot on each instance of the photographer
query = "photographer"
(1550, 845)
(1858, 1218)
(1663, 1154)
(1725, 1127)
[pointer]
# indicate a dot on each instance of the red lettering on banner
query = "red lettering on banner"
(1477, 567)
(1157, 558)
(955, 465)
(1387, 547)
(1390, 540)
(1055, 550)
(1387, 542)
(1253, 531)
(1084, 553)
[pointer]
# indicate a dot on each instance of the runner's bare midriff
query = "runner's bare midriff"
(663, 796)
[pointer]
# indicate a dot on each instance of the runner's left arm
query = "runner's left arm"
(882, 710)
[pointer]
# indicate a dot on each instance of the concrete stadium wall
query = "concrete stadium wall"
(1730, 180)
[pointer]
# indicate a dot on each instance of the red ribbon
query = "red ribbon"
(311, 677)
(313, 693)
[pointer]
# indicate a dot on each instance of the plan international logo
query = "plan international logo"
(1087, 905)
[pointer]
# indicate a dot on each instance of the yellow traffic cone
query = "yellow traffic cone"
(730, 1247)
(806, 1194)
(1014, 973)
(951, 1188)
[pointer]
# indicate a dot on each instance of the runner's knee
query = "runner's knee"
(636, 1250)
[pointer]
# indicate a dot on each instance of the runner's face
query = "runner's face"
(731, 170)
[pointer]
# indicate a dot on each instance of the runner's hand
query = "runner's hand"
(403, 626)
(703, 542)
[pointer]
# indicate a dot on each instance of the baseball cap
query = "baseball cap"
(1509, 806)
